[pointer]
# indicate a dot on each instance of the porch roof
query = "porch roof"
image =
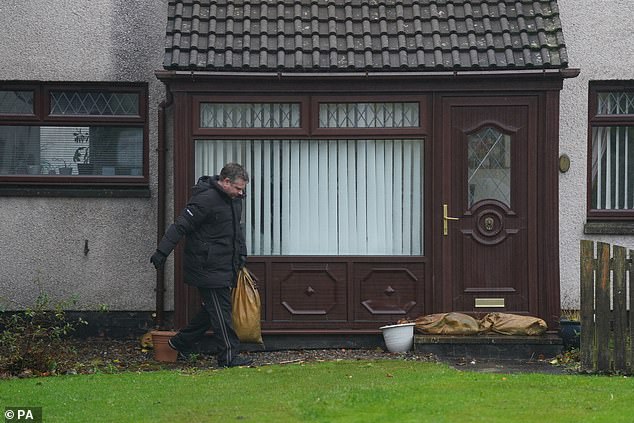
(363, 35)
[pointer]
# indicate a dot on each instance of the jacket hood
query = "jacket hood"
(207, 182)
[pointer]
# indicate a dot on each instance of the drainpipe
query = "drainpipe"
(160, 224)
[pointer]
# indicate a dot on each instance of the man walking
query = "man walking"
(214, 252)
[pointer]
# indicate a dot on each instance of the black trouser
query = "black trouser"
(215, 313)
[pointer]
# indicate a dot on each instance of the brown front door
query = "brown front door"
(487, 225)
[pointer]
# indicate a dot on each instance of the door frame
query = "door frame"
(544, 303)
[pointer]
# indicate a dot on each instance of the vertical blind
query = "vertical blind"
(613, 168)
(327, 197)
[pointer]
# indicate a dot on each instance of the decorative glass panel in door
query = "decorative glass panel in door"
(489, 158)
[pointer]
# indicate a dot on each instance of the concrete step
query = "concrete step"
(503, 347)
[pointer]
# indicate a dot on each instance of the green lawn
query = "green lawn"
(345, 391)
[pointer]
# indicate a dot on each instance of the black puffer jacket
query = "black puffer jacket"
(214, 239)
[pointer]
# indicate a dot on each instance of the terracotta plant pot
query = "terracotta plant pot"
(162, 351)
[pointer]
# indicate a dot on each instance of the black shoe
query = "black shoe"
(182, 353)
(238, 361)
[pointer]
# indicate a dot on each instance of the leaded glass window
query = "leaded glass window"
(615, 103)
(62, 134)
(368, 115)
(489, 157)
(95, 103)
(250, 115)
(611, 151)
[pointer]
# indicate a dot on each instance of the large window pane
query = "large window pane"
(327, 197)
(71, 150)
(613, 168)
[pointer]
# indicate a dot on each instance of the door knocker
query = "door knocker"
(488, 223)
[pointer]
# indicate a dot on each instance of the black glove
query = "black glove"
(242, 262)
(158, 259)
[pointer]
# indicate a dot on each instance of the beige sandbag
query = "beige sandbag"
(512, 324)
(447, 324)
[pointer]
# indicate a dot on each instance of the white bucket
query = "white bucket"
(398, 338)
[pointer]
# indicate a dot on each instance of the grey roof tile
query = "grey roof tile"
(368, 35)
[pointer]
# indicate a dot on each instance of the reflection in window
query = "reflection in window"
(489, 157)
(71, 150)
(16, 102)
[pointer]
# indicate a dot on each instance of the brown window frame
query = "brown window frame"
(243, 132)
(595, 120)
(77, 185)
(309, 116)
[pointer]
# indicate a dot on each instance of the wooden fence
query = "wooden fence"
(607, 329)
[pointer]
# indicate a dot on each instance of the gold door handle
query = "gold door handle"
(445, 219)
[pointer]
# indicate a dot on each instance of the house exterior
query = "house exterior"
(404, 155)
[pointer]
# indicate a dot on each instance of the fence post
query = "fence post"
(602, 310)
(587, 306)
(620, 308)
(630, 270)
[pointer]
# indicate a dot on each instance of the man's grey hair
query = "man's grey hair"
(234, 171)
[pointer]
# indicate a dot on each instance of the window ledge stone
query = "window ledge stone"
(76, 191)
(609, 228)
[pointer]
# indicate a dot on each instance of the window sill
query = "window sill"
(76, 191)
(609, 228)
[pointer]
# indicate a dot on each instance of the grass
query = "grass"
(345, 391)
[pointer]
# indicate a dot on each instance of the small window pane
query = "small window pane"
(16, 102)
(71, 150)
(94, 103)
(613, 168)
(250, 115)
(368, 115)
(615, 103)
(489, 166)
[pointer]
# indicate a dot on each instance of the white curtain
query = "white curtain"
(327, 197)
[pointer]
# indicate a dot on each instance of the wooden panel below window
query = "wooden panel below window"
(338, 293)
(308, 291)
(388, 291)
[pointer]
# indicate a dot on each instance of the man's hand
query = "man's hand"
(242, 262)
(158, 259)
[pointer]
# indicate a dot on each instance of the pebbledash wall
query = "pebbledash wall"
(42, 238)
(598, 36)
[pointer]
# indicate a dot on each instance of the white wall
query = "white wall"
(42, 239)
(599, 36)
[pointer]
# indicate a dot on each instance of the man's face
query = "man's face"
(234, 189)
